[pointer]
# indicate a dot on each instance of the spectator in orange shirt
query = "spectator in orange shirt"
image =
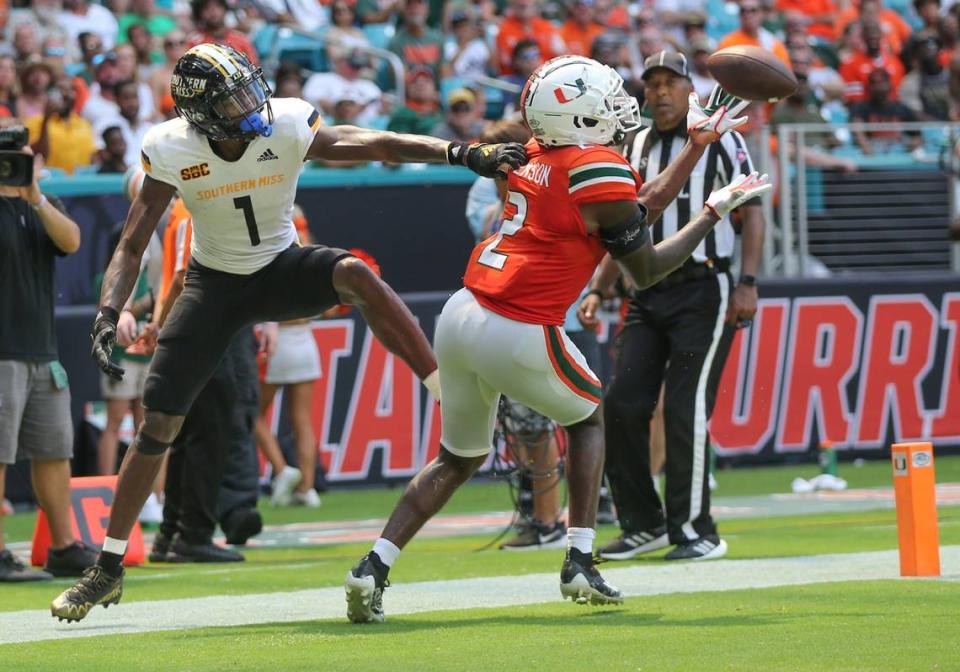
(524, 23)
(896, 31)
(210, 18)
(856, 70)
(821, 13)
(753, 34)
(580, 28)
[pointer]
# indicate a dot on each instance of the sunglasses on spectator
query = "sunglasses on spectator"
(749, 10)
(100, 58)
(167, 44)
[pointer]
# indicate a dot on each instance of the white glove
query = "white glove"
(719, 116)
(741, 190)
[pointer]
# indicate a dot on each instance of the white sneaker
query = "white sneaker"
(284, 484)
(152, 511)
(309, 499)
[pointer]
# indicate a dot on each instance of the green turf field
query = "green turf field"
(851, 625)
(855, 626)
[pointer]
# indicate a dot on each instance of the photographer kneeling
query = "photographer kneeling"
(35, 421)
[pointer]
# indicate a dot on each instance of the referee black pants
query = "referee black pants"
(201, 450)
(675, 337)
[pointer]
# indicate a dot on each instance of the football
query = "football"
(752, 73)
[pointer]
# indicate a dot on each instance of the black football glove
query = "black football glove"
(104, 335)
(486, 159)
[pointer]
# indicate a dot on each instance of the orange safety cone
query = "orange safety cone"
(914, 486)
(91, 499)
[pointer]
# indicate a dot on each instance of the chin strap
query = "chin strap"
(254, 124)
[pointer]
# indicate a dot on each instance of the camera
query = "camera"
(16, 166)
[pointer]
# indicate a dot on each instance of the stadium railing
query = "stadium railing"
(891, 213)
(309, 49)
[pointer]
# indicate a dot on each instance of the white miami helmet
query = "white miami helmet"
(574, 100)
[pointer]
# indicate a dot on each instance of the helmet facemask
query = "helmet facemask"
(239, 107)
(625, 109)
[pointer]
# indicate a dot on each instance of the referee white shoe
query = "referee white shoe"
(709, 547)
(631, 544)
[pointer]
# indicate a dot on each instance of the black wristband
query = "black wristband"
(594, 292)
(109, 314)
(747, 280)
(457, 153)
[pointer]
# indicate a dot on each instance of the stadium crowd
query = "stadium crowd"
(89, 79)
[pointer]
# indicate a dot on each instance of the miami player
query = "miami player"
(576, 200)
(234, 156)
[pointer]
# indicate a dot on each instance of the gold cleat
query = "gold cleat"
(93, 588)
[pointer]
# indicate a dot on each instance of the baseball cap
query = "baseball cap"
(669, 60)
(699, 44)
(461, 96)
(358, 59)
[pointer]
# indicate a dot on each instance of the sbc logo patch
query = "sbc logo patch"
(193, 172)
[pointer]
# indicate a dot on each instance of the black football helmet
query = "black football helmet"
(221, 93)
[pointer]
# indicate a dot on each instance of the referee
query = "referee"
(676, 333)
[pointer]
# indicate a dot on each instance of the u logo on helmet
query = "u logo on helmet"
(561, 95)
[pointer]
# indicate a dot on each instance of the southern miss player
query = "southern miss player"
(234, 156)
(575, 201)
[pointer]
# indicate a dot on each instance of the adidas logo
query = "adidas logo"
(268, 155)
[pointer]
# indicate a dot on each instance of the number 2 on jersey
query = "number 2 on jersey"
(244, 203)
(490, 257)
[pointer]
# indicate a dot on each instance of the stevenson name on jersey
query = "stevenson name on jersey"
(242, 210)
(535, 267)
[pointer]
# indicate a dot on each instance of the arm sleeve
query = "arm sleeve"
(152, 160)
(601, 174)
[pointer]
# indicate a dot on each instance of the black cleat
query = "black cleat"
(582, 583)
(12, 570)
(364, 585)
(95, 587)
(183, 551)
(241, 524)
(71, 560)
(160, 552)
(631, 544)
(709, 547)
(536, 536)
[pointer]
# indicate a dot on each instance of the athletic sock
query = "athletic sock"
(111, 556)
(581, 538)
(386, 550)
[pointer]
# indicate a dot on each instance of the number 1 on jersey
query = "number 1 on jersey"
(490, 257)
(244, 203)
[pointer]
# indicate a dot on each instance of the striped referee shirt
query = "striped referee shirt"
(652, 151)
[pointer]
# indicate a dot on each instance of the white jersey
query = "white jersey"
(242, 210)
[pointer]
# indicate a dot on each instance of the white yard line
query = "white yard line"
(496, 591)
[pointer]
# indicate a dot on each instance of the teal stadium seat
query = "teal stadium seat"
(379, 34)
(302, 49)
(722, 18)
